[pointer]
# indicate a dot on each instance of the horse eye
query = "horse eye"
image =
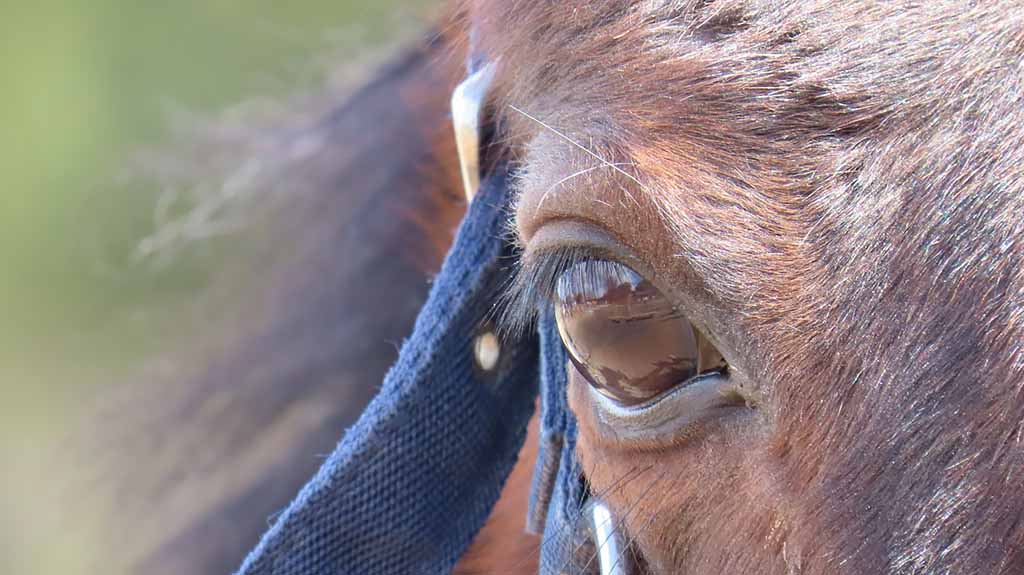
(624, 336)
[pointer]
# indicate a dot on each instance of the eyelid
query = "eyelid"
(574, 241)
(572, 233)
(666, 417)
(533, 288)
(554, 248)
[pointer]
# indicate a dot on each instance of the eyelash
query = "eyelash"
(533, 287)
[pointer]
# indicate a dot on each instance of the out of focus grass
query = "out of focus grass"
(82, 84)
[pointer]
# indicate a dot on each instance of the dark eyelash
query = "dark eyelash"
(533, 287)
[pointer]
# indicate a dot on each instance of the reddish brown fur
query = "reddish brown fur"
(503, 546)
(438, 213)
(835, 190)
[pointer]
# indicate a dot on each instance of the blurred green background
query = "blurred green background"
(84, 84)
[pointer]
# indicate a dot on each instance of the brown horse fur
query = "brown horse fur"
(503, 546)
(832, 190)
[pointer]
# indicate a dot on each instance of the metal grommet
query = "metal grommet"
(487, 350)
(467, 103)
(611, 554)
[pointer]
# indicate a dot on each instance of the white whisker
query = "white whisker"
(585, 149)
(570, 177)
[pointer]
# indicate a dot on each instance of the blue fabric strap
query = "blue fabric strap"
(557, 495)
(414, 480)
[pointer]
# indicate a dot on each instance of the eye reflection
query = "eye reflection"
(624, 336)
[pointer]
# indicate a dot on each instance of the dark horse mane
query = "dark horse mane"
(198, 460)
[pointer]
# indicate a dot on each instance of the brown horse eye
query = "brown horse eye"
(624, 336)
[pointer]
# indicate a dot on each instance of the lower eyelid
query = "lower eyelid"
(667, 417)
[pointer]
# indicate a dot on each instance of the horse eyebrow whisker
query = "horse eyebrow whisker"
(575, 175)
(585, 149)
(631, 545)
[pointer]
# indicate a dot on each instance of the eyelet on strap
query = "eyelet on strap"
(468, 101)
(487, 349)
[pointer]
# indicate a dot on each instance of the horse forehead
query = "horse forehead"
(663, 84)
(792, 97)
(713, 71)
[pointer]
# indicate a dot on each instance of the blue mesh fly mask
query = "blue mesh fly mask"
(414, 480)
